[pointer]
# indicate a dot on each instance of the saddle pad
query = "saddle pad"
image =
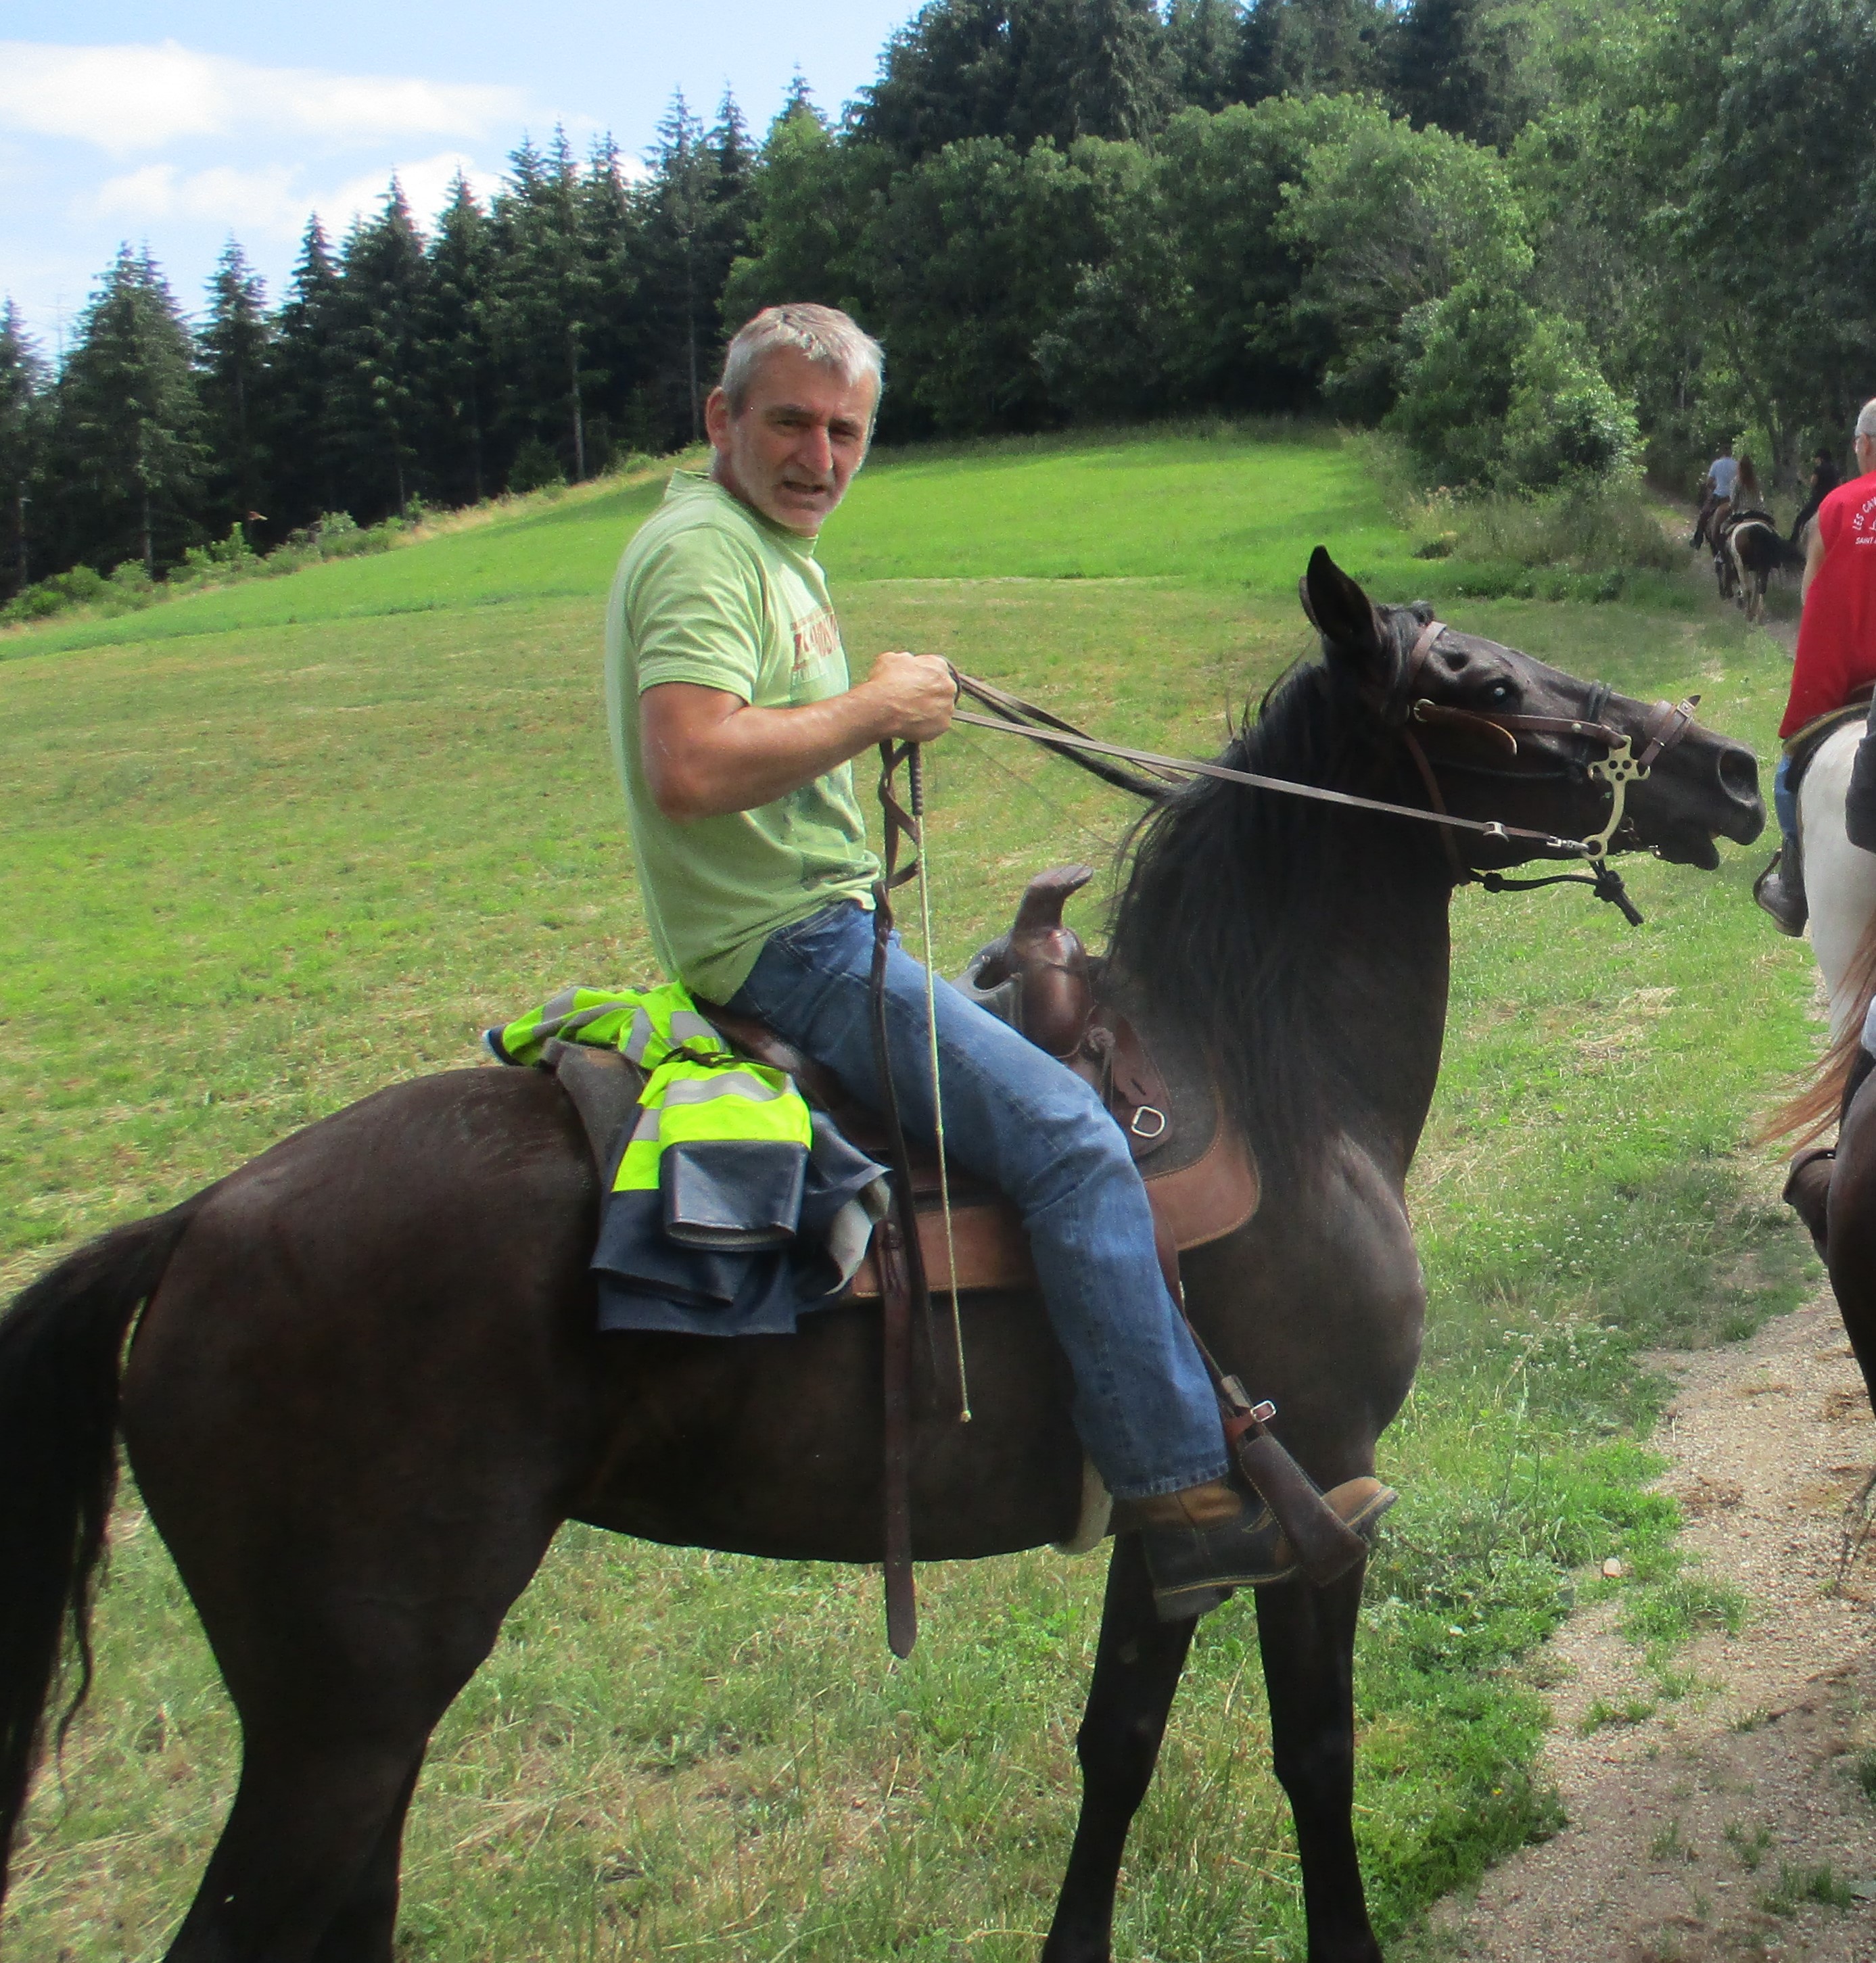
(1209, 1188)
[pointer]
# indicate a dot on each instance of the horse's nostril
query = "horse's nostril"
(1739, 773)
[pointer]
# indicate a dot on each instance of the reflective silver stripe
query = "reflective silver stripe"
(561, 1005)
(688, 1026)
(724, 1083)
(646, 1131)
(640, 1038)
(570, 1024)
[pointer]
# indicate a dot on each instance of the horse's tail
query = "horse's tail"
(1813, 1109)
(61, 1346)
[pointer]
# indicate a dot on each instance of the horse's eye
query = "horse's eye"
(1500, 693)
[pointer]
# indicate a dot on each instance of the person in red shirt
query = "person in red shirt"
(1836, 656)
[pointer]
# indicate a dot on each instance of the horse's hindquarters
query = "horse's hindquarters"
(362, 1379)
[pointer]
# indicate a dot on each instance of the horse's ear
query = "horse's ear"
(1345, 617)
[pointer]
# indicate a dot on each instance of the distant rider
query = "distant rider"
(1716, 494)
(1836, 656)
(1825, 479)
(735, 726)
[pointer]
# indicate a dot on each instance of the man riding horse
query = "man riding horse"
(1716, 494)
(1836, 662)
(734, 725)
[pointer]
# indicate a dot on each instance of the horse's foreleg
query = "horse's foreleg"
(1307, 1638)
(366, 1926)
(299, 1875)
(1136, 1672)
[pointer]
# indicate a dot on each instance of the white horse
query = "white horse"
(1840, 877)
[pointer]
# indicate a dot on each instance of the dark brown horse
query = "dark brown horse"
(365, 1389)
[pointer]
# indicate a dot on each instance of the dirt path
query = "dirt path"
(1702, 1831)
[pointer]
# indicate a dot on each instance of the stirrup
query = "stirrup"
(1195, 1570)
(1783, 900)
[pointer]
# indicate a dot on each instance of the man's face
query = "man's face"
(1865, 449)
(801, 436)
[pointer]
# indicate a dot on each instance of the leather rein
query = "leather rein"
(1617, 767)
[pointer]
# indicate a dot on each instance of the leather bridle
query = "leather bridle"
(1617, 767)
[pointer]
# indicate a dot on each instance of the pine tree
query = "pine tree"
(232, 347)
(459, 354)
(684, 207)
(1203, 40)
(611, 218)
(729, 227)
(1024, 70)
(1310, 47)
(22, 440)
(1452, 63)
(305, 481)
(546, 287)
(130, 453)
(1093, 68)
(377, 397)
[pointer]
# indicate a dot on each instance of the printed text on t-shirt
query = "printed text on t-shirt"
(817, 639)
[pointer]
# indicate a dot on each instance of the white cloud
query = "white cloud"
(262, 200)
(426, 186)
(126, 98)
(271, 200)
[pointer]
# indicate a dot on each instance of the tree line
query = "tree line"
(1538, 241)
(528, 341)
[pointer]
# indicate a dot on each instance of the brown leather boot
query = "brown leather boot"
(1203, 1542)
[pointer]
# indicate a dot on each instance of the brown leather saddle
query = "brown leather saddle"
(1199, 1174)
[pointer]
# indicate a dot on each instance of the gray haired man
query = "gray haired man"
(734, 727)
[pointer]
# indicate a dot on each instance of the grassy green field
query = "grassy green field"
(272, 847)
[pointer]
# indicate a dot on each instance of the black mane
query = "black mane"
(1233, 896)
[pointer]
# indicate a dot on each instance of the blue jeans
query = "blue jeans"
(1143, 1405)
(1784, 801)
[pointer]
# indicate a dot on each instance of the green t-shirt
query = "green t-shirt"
(710, 592)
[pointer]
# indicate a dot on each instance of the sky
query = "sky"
(174, 124)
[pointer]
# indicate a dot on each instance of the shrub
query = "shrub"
(1496, 392)
(536, 467)
(1586, 527)
(79, 587)
(1460, 376)
(1564, 422)
(130, 588)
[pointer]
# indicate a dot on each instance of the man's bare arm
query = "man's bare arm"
(706, 752)
(1813, 559)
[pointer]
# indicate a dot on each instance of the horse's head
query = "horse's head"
(1506, 738)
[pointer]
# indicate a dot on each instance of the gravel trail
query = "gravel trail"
(1703, 1830)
